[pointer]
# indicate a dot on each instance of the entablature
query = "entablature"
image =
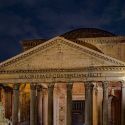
(64, 75)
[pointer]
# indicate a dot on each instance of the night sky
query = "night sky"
(34, 19)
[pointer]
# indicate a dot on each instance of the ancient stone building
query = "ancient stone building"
(73, 79)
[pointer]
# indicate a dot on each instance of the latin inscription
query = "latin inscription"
(42, 76)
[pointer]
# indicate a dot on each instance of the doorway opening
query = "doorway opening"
(78, 112)
(114, 110)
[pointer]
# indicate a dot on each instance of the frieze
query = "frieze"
(64, 75)
(61, 75)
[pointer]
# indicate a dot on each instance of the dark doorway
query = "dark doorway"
(78, 111)
(114, 110)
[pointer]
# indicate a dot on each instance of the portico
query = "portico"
(50, 88)
(52, 71)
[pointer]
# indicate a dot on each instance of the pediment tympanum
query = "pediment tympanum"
(58, 53)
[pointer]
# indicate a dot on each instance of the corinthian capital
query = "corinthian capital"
(39, 87)
(32, 86)
(69, 86)
(89, 85)
(122, 84)
(16, 86)
(51, 85)
(105, 84)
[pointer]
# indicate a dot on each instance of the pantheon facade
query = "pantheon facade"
(77, 78)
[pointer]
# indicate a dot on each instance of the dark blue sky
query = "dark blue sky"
(31, 19)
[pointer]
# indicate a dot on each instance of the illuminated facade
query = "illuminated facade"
(73, 79)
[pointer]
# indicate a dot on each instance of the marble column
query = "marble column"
(40, 104)
(15, 105)
(33, 102)
(99, 103)
(45, 106)
(95, 103)
(69, 104)
(123, 104)
(8, 101)
(50, 103)
(88, 103)
(0, 94)
(105, 104)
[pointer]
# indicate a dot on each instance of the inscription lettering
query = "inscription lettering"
(42, 76)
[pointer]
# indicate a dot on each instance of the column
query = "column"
(95, 105)
(33, 116)
(99, 103)
(69, 104)
(15, 105)
(40, 104)
(50, 103)
(89, 103)
(105, 104)
(123, 105)
(0, 94)
(45, 106)
(8, 101)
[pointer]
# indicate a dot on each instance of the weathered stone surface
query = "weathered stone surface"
(59, 53)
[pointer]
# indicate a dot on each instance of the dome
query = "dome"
(87, 33)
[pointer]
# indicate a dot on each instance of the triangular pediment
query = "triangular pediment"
(58, 53)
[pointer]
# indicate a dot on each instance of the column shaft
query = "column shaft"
(45, 107)
(33, 117)
(95, 107)
(105, 104)
(39, 105)
(69, 104)
(50, 104)
(8, 95)
(15, 104)
(88, 103)
(99, 104)
(123, 105)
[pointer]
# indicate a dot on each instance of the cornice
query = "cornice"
(86, 69)
(104, 40)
